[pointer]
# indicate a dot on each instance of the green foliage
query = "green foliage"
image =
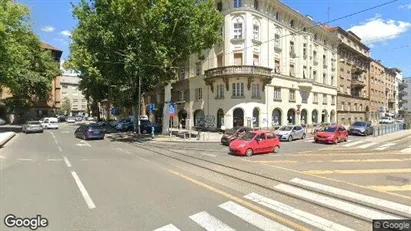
(25, 68)
(118, 41)
(65, 106)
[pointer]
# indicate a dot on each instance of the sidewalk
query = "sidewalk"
(391, 136)
(6, 137)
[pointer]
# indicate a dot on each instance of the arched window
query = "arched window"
(292, 23)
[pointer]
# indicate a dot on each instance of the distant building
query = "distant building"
(407, 96)
(70, 81)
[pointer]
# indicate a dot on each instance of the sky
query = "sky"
(386, 30)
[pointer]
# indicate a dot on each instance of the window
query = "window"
(277, 93)
(325, 99)
(256, 4)
(220, 91)
(315, 56)
(75, 100)
(198, 68)
(324, 60)
(332, 80)
(324, 78)
(219, 60)
(304, 96)
(305, 50)
(271, 136)
(83, 100)
(256, 31)
(277, 41)
(292, 50)
(292, 70)
(83, 106)
(220, 6)
(238, 89)
(333, 100)
(292, 23)
(182, 72)
(277, 16)
(292, 95)
(315, 76)
(237, 3)
(256, 60)
(304, 72)
(238, 30)
(277, 67)
(181, 96)
(342, 106)
(238, 59)
(315, 99)
(255, 90)
(199, 93)
(64, 86)
(360, 107)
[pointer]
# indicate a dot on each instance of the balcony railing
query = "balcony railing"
(357, 83)
(238, 70)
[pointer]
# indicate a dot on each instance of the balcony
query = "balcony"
(305, 83)
(357, 71)
(391, 100)
(277, 48)
(292, 54)
(228, 72)
(357, 83)
(315, 62)
(325, 66)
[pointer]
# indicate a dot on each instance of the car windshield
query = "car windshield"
(286, 128)
(329, 129)
(33, 122)
(231, 131)
(359, 124)
(248, 136)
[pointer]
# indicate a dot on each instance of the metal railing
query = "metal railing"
(383, 129)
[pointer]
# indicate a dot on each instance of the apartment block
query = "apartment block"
(70, 90)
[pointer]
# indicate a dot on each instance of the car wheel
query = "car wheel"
(336, 141)
(276, 149)
(249, 152)
(290, 138)
(303, 137)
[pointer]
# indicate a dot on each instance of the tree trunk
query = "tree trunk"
(135, 117)
(143, 105)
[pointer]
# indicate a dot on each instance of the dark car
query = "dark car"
(233, 134)
(361, 128)
(146, 127)
(89, 131)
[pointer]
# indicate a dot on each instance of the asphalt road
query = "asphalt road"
(103, 185)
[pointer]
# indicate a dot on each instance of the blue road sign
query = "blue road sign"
(151, 107)
(171, 110)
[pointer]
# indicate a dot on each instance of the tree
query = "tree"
(26, 70)
(119, 41)
(65, 106)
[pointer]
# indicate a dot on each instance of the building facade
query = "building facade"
(398, 82)
(377, 90)
(406, 97)
(353, 77)
(269, 70)
(70, 83)
(390, 91)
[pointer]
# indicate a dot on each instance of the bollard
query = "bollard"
(152, 132)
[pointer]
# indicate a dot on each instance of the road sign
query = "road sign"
(151, 107)
(171, 110)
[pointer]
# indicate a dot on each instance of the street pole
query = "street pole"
(139, 105)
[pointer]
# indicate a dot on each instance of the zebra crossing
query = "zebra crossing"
(366, 144)
(230, 209)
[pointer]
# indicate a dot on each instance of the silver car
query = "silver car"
(32, 126)
(291, 132)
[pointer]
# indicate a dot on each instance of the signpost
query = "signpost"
(171, 113)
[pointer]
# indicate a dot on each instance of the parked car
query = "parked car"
(291, 132)
(71, 120)
(89, 131)
(321, 125)
(361, 128)
(331, 134)
(386, 120)
(146, 127)
(254, 142)
(32, 126)
(234, 133)
(49, 123)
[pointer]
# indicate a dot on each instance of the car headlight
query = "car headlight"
(241, 145)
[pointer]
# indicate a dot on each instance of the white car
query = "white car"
(49, 123)
(386, 120)
(71, 120)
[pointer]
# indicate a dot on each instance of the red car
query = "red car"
(332, 134)
(254, 142)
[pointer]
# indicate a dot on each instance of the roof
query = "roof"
(48, 46)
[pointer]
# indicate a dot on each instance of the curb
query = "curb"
(13, 134)
(187, 142)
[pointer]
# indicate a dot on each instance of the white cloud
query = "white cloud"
(408, 6)
(377, 29)
(47, 28)
(66, 33)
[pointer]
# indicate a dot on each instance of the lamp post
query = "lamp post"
(139, 106)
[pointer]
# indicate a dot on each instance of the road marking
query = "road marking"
(406, 150)
(83, 143)
(329, 161)
(370, 160)
(24, 159)
(83, 191)
(52, 160)
(85, 159)
(60, 149)
(209, 222)
(243, 202)
(352, 154)
(356, 196)
(308, 218)
(359, 171)
(207, 154)
(120, 149)
(385, 146)
(65, 132)
(252, 217)
(353, 143)
(54, 138)
(335, 203)
(2, 157)
(169, 227)
(67, 162)
(367, 145)
(391, 188)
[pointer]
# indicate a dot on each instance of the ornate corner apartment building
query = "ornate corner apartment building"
(353, 101)
(273, 67)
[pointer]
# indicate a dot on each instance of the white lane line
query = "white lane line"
(169, 227)
(252, 217)
(24, 159)
(85, 143)
(406, 150)
(83, 191)
(54, 138)
(385, 146)
(65, 132)
(52, 160)
(356, 196)
(67, 162)
(85, 159)
(367, 145)
(353, 143)
(2, 157)
(308, 218)
(60, 149)
(209, 222)
(207, 154)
